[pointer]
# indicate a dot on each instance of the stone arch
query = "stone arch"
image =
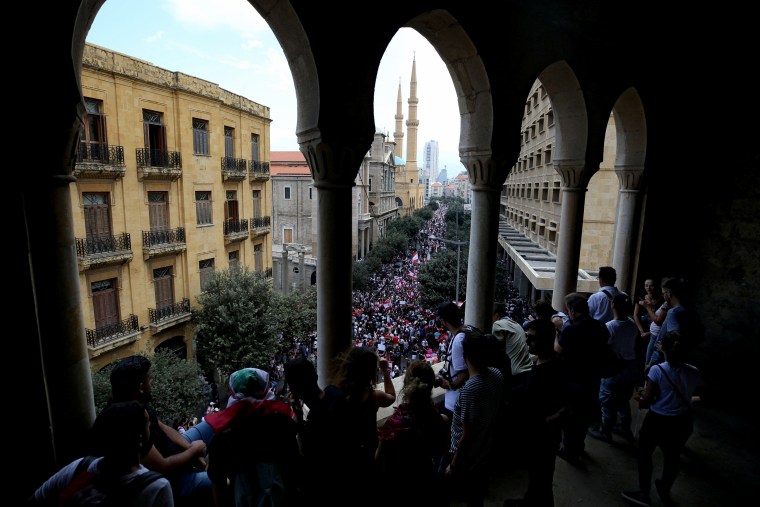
(176, 344)
(570, 116)
(468, 73)
(630, 124)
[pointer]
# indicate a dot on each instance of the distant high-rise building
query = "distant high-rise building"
(430, 166)
(443, 176)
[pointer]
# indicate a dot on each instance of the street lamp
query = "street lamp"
(459, 245)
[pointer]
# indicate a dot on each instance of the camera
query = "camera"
(442, 375)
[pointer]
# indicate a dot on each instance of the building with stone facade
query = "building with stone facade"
(294, 201)
(531, 205)
(171, 183)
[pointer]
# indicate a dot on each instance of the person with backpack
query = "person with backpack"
(182, 462)
(600, 303)
(112, 474)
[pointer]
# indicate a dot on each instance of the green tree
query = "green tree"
(438, 277)
(294, 315)
(178, 386)
(233, 330)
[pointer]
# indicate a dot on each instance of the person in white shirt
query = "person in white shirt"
(599, 303)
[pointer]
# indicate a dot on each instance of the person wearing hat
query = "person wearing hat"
(254, 455)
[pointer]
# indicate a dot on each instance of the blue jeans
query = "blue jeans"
(192, 489)
(651, 348)
(615, 395)
(201, 431)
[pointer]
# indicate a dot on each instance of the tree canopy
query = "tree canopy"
(234, 328)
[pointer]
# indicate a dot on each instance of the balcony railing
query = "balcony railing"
(163, 242)
(112, 332)
(168, 313)
(268, 273)
(235, 230)
(103, 250)
(95, 160)
(259, 170)
(233, 168)
(261, 225)
(158, 164)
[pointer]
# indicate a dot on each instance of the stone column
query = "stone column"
(626, 225)
(333, 167)
(284, 271)
(571, 229)
(302, 270)
(486, 178)
(52, 258)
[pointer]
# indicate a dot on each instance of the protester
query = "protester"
(182, 462)
(668, 392)
(413, 440)
(473, 424)
(120, 436)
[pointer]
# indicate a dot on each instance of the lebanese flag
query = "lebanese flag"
(415, 258)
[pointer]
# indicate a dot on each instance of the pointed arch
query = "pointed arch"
(630, 124)
(569, 106)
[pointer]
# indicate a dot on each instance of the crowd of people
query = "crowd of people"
(281, 439)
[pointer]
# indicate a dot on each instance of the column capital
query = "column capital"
(333, 164)
(572, 172)
(629, 176)
(484, 171)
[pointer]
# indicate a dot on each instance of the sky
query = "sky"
(228, 43)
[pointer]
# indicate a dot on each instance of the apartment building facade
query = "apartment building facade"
(172, 183)
(531, 204)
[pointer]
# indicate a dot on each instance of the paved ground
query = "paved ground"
(720, 467)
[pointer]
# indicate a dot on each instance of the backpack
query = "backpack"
(87, 489)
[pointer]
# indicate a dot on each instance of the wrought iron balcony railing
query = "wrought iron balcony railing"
(170, 312)
(95, 160)
(261, 222)
(163, 242)
(158, 164)
(103, 250)
(163, 237)
(235, 226)
(111, 332)
(147, 157)
(103, 244)
(234, 168)
(259, 170)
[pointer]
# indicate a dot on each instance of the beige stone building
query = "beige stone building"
(172, 183)
(531, 204)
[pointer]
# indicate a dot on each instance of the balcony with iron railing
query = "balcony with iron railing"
(103, 250)
(261, 226)
(259, 170)
(111, 333)
(235, 230)
(158, 164)
(96, 160)
(168, 316)
(163, 242)
(234, 169)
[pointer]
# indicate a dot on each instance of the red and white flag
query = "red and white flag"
(415, 258)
